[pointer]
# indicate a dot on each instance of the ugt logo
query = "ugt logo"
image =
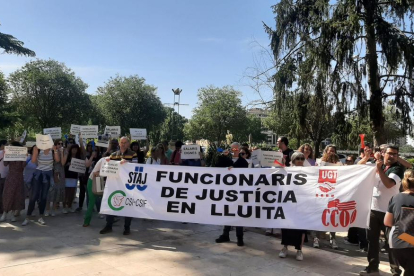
(137, 179)
(342, 212)
(116, 200)
(327, 181)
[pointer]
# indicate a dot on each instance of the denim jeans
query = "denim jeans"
(39, 190)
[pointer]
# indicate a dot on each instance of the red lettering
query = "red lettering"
(344, 218)
(333, 218)
(325, 216)
(353, 216)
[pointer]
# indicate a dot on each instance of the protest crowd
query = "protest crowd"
(50, 184)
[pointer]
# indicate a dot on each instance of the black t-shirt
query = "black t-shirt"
(394, 207)
(241, 163)
(287, 154)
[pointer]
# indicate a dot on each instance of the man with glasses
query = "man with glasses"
(389, 174)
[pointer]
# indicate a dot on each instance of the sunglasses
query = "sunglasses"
(300, 159)
(60, 143)
(242, 153)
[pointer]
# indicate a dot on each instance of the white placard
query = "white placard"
(15, 153)
(23, 136)
(138, 133)
(114, 131)
(256, 156)
(77, 165)
(75, 129)
(55, 132)
(110, 168)
(89, 132)
(190, 152)
(103, 140)
(44, 142)
(30, 144)
(268, 158)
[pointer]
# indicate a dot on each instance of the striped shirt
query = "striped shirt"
(45, 162)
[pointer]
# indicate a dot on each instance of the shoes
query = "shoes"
(106, 230)
(78, 209)
(346, 241)
(127, 231)
(3, 217)
(46, 214)
(334, 244)
(369, 271)
(65, 211)
(71, 210)
(53, 213)
(41, 221)
(363, 250)
(299, 255)
(17, 213)
(283, 252)
(268, 232)
(240, 242)
(13, 218)
(316, 243)
(101, 216)
(223, 238)
(85, 225)
(25, 222)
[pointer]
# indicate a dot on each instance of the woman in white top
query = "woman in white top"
(153, 159)
(307, 150)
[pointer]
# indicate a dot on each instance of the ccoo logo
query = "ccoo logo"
(137, 179)
(343, 213)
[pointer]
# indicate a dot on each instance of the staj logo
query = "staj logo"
(343, 213)
(137, 179)
(116, 200)
(326, 182)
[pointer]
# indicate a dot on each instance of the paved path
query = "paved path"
(64, 247)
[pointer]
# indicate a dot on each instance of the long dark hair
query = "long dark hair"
(78, 153)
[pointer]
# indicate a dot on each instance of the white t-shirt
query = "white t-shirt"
(97, 167)
(151, 161)
(382, 195)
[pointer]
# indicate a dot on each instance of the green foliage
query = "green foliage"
(252, 126)
(173, 126)
(48, 94)
(407, 149)
(130, 103)
(11, 45)
(212, 155)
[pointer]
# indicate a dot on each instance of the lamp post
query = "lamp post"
(177, 93)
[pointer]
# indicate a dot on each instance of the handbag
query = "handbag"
(406, 225)
(98, 185)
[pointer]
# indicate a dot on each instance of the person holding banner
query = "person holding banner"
(124, 154)
(295, 237)
(140, 154)
(4, 170)
(13, 193)
(153, 159)
(307, 150)
(161, 155)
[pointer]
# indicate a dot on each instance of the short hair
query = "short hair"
(179, 144)
(235, 144)
(245, 145)
(394, 147)
(16, 144)
(124, 137)
(361, 151)
(295, 156)
(302, 149)
(408, 180)
(135, 143)
(352, 157)
(248, 153)
(284, 140)
(368, 144)
(3, 142)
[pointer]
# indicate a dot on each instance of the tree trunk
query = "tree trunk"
(375, 102)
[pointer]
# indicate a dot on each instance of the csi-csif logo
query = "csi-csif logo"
(137, 179)
(116, 200)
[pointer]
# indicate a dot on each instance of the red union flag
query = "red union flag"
(328, 176)
(343, 213)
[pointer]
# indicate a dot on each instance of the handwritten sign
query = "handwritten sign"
(114, 131)
(138, 133)
(268, 158)
(190, 152)
(44, 142)
(55, 132)
(110, 168)
(77, 165)
(103, 140)
(15, 154)
(89, 132)
(75, 129)
(256, 156)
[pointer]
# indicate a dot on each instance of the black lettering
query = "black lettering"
(179, 178)
(246, 195)
(227, 212)
(241, 214)
(193, 178)
(161, 174)
(130, 177)
(279, 213)
(181, 193)
(203, 178)
(145, 179)
(290, 196)
(277, 179)
(301, 177)
(213, 211)
(232, 181)
(185, 207)
(218, 179)
(289, 177)
(258, 211)
(266, 197)
(220, 195)
(203, 195)
(167, 192)
(231, 195)
(172, 206)
(268, 211)
(262, 180)
(243, 179)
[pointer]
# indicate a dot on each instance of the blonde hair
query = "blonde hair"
(330, 158)
(408, 181)
(302, 150)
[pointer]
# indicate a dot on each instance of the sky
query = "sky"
(183, 44)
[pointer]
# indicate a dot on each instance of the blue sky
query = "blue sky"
(187, 44)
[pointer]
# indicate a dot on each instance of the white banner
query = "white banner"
(77, 165)
(44, 142)
(88, 132)
(114, 131)
(15, 153)
(190, 152)
(55, 132)
(312, 198)
(138, 133)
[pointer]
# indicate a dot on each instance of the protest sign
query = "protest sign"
(103, 140)
(75, 129)
(15, 153)
(30, 144)
(44, 142)
(190, 152)
(113, 131)
(77, 165)
(89, 132)
(110, 168)
(55, 132)
(291, 197)
(24, 134)
(256, 156)
(268, 158)
(138, 133)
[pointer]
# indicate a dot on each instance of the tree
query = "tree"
(252, 126)
(5, 118)
(130, 103)
(173, 125)
(359, 48)
(48, 94)
(219, 110)
(12, 45)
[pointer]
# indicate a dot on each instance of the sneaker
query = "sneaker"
(106, 230)
(13, 218)
(334, 244)
(346, 241)
(369, 271)
(283, 252)
(127, 231)
(223, 238)
(25, 222)
(41, 221)
(53, 213)
(78, 209)
(71, 210)
(240, 242)
(299, 255)
(46, 214)
(316, 243)
(17, 213)
(65, 211)
(3, 217)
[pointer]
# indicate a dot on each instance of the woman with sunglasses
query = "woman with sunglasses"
(295, 237)
(57, 194)
(307, 150)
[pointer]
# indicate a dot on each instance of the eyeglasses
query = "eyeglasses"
(392, 153)
(300, 159)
